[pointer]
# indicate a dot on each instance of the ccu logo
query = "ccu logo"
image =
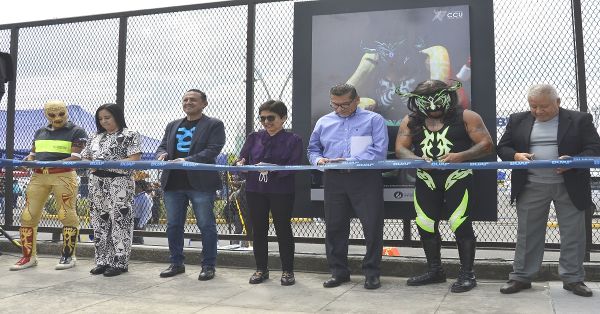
(398, 195)
(451, 15)
(455, 15)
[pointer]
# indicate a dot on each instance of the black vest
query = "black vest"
(451, 138)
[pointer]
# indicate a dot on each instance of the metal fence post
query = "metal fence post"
(10, 130)
(122, 54)
(579, 56)
(581, 99)
(250, 42)
(406, 231)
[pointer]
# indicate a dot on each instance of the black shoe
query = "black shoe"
(372, 282)
(335, 281)
(287, 278)
(258, 277)
(100, 269)
(173, 270)
(436, 275)
(514, 286)
(465, 282)
(578, 288)
(114, 271)
(207, 273)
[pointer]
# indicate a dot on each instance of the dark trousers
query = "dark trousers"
(280, 206)
(359, 192)
(439, 195)
(136, 226)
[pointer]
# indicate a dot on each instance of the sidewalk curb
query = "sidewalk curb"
(390, 266)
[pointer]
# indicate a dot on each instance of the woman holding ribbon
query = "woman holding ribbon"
(271, 190)
(112, 190)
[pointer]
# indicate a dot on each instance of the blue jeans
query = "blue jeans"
(176, 203)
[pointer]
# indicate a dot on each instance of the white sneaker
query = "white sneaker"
(24, 262)
(66, 263)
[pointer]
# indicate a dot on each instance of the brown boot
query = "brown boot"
(67, 259)
(28, 245)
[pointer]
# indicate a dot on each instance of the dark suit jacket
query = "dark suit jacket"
(7, 71)
(207, 142)
(577, 136)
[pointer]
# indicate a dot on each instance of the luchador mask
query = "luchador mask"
(439, 100)
(56, 113)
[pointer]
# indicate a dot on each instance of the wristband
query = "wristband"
(76, 155)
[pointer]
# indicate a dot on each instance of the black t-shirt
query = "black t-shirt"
(178, 179)
(51, 145)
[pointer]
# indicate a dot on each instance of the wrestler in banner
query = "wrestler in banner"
(438, 129)
(59, 140)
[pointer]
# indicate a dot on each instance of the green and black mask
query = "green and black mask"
(440, 99)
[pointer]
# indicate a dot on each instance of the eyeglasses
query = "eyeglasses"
(267, 118)
(343, 105)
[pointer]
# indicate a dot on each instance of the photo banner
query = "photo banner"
(382, 46)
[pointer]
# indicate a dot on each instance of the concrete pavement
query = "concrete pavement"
(45, 290)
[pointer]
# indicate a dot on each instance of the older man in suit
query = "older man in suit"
(195, 138)
(548, 132)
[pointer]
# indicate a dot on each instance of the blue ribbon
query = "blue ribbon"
(577, 162)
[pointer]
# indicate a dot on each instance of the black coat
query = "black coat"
(7, 71)
(577, 136)
(207, 142)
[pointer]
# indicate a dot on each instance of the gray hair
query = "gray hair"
(542, 89)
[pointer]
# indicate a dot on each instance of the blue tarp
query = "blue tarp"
(28, 121)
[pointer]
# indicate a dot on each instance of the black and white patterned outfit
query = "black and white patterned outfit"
(111, 194)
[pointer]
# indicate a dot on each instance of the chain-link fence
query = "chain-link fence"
(159, 54)
(591, 41)
(529, 50)
(4, 46)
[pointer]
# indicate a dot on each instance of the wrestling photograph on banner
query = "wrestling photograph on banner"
(386, 52)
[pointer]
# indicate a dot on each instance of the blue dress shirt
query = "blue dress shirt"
(333, 136)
